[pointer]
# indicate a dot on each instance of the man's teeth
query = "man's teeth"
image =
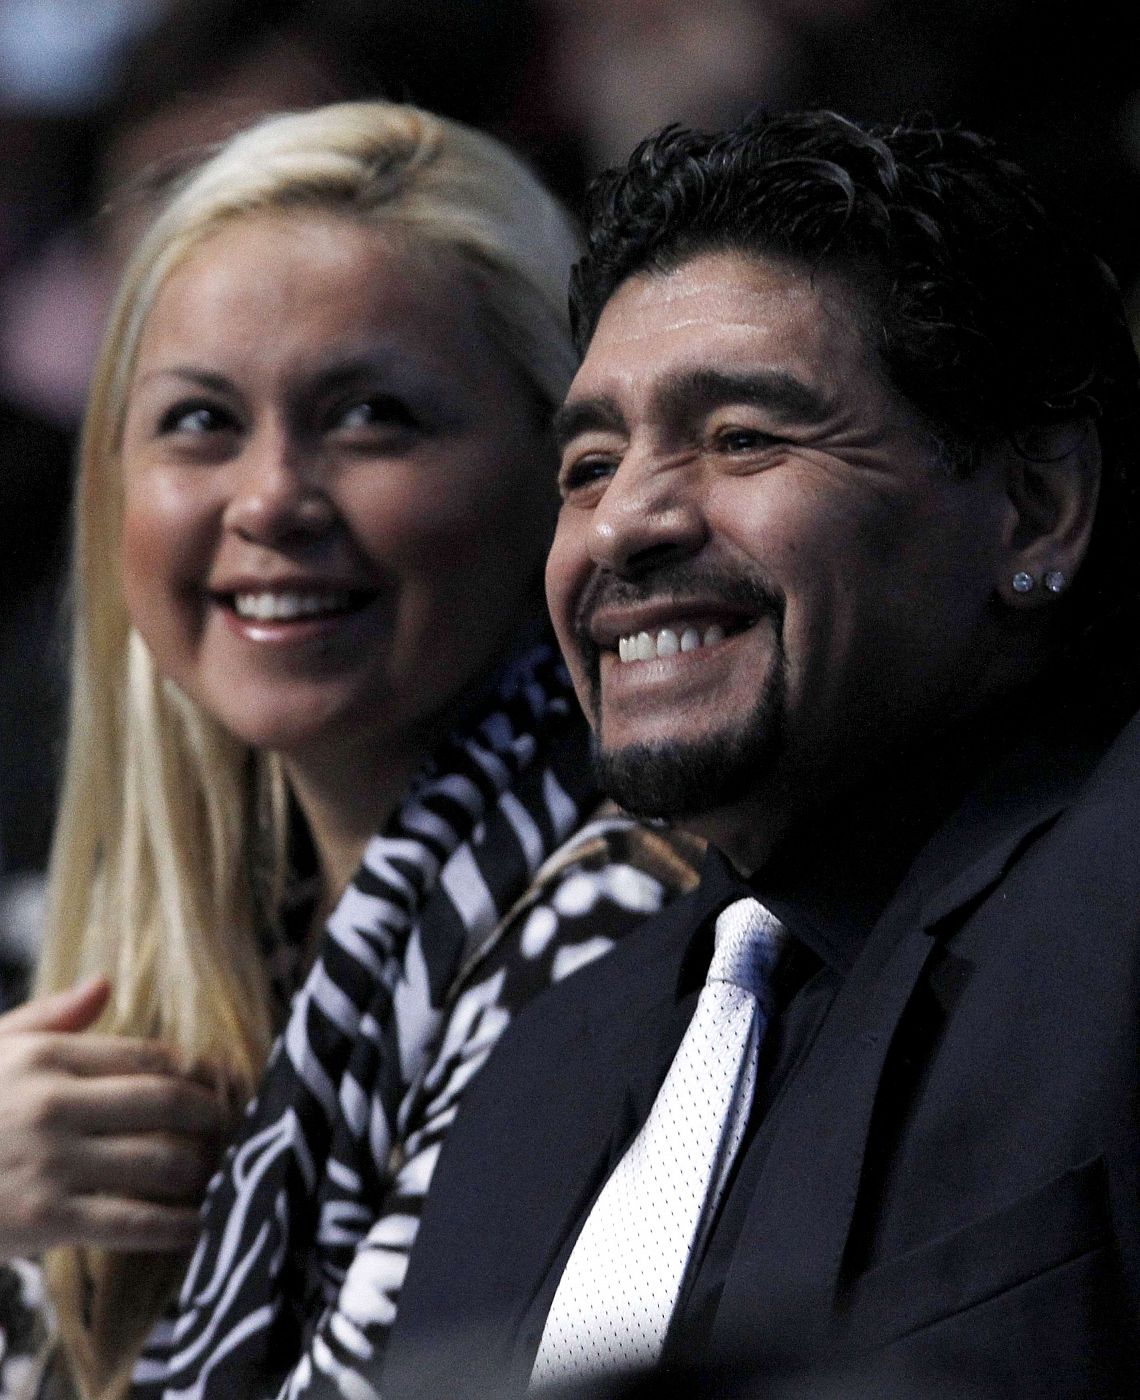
(272, 607)
(647, 646)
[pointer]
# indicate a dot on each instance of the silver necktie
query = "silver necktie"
(620, 1287)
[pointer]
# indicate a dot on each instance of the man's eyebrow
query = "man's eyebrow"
(776, 391)
(696, 391)
(585, 416)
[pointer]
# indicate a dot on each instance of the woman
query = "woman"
(317, 724)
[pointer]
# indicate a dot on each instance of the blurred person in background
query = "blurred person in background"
(1055, 80)
(325, 769)
(620, 68)
(35, 462)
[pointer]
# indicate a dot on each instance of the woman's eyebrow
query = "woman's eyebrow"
(356, 361)
(385, 367)
(203, 378)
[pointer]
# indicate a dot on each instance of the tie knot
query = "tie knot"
(748, 941)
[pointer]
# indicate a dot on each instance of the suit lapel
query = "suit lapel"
(780, 1290)
(786, 1280)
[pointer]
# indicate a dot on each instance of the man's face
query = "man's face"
(763, 579)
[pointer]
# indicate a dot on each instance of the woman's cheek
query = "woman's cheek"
(165, 552)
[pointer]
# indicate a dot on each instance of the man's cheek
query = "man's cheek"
(584, 662)
(561, 602)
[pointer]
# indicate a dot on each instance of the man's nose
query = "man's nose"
(279, 494)
(650, 513)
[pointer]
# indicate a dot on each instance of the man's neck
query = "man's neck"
(863, 814)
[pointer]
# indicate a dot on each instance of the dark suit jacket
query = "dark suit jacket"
(950, 1200)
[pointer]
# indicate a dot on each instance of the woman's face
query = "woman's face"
(337, 491)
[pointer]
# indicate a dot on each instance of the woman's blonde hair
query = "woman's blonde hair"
(169, 854)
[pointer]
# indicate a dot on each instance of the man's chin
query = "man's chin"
(678, 781)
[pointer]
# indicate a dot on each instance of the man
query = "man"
(846, 574)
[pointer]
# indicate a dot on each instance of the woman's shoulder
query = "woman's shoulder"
(640, 867)
(602, 882)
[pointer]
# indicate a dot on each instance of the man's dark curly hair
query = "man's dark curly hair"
(985, 314)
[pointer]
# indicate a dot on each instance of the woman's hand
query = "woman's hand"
(104, 1140)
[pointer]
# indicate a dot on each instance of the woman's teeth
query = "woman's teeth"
(647, 646)
(273, 607)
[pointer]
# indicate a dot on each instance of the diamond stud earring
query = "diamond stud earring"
(1023, 582)
(1054, 580)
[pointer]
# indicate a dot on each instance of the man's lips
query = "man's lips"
(608, 623)
(652, 646)
(638, 619)
(647, 634)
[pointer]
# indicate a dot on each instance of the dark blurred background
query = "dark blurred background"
(95, 94)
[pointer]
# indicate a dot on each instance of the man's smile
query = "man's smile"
(637, 621)
(648, 646)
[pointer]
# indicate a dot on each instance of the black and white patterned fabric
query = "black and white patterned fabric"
(608, 878)
(467, 905)
(24, 1326)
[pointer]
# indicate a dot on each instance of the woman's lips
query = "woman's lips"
(288, 605)
(280, 615)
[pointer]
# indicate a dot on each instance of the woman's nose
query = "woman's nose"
(279, 494)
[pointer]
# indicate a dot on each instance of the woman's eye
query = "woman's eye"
(378, 412)
(195, 418)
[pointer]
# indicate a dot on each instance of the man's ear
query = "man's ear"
(1052, 476)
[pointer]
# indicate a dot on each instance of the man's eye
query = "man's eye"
(584, 471)
(195, 418)
(738, 439)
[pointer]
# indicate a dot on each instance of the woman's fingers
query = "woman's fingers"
(161, 1168)
(87, 1197)
(95, 1054)
(136, 1227)
(59, 1185)
(72, 1010)
(105, 1139)
(125, 1104)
